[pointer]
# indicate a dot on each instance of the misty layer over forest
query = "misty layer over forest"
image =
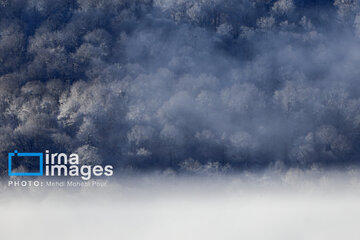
(182, 85)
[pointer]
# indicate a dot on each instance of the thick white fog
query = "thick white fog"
(299, 206)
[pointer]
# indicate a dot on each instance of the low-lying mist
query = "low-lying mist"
(299, 205)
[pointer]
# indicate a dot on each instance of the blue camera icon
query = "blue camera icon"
(19, 154)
